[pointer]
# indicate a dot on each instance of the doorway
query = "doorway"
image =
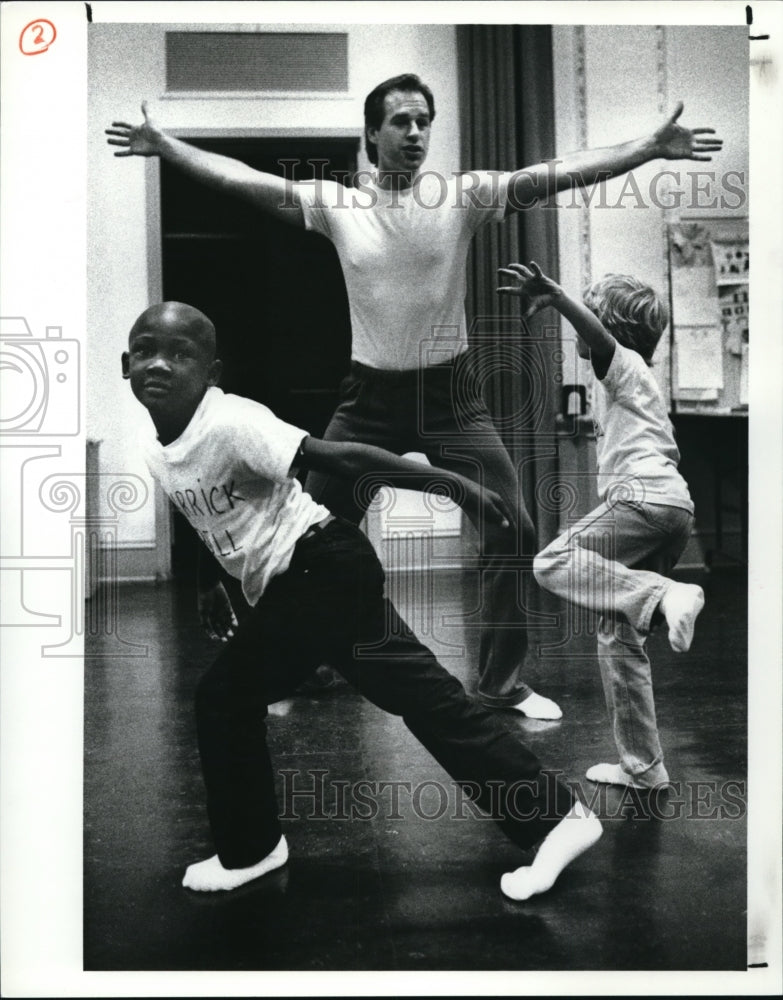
(275, 292)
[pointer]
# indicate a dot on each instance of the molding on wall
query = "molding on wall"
(258, 95)
(580, 83)
(135, 564)
(291, 132)
(660, 68)
(664, 354)
(662, 96)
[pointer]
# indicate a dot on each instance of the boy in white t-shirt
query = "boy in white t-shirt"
(614, 560)
(316, 590)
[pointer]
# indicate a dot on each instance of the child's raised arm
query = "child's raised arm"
(538, 291)
(370, 467)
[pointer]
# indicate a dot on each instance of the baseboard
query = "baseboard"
(131, 564)
(442, 554)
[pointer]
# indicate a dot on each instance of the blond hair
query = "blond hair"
(631, 311)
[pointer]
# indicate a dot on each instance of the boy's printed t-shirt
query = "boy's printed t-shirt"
(635, 446)
(403, 255)
(228, 473)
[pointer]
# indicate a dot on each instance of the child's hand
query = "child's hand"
(535, 289)
(215, 613)
(482, 504)
(137, 140)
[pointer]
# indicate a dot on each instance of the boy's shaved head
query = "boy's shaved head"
(181, 317)
(171, 363)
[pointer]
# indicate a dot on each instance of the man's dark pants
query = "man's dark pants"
(439, 411)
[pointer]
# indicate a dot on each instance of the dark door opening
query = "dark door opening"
(275, 292)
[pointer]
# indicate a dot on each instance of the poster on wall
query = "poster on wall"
(735, 318)
(699, 357)
(709, 283)
(731, 259)
(693, 291)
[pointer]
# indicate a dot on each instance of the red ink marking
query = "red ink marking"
(36, 37)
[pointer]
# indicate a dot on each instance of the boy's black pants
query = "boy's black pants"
(329, 607)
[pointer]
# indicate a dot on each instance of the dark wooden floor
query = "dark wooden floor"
(664, 889)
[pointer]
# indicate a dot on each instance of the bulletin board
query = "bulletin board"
(709, 268)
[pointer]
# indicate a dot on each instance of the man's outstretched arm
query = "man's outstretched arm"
(267, 192)
(669, 142)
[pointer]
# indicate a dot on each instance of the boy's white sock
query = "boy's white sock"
(535, 706)
(611, 774)
(681, 605)
(210, 875)
(572, 836)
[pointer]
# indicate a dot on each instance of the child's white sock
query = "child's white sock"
(535, 706)
(572, 836)
(210, 875)
(611, 774)
(681, 605)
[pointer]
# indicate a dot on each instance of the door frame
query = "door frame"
(163, 526)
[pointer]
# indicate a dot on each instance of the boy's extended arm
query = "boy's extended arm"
(669, 142)
(214, 605)
(537, 291)
(271, 194)
(370, 467)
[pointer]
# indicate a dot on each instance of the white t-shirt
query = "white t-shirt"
(403, 255)
(229, 474)
(635, 447)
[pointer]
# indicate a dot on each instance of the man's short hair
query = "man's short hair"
(374, 109)
(631, 311)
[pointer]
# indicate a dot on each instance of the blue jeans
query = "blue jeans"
(329, 606)
(439, 411)
(613, 562)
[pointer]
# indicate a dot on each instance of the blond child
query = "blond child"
(616, 559)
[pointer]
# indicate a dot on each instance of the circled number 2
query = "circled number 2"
(36, 37)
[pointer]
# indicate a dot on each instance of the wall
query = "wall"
(614, 83)
(126, 66)
(611, 83)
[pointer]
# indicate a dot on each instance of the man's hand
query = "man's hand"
(136, 140)
(215, 612)
(536, 290)
(673, 142)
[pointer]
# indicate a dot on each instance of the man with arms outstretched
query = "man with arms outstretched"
(402, 237)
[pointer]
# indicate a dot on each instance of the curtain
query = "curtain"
(507, 122)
